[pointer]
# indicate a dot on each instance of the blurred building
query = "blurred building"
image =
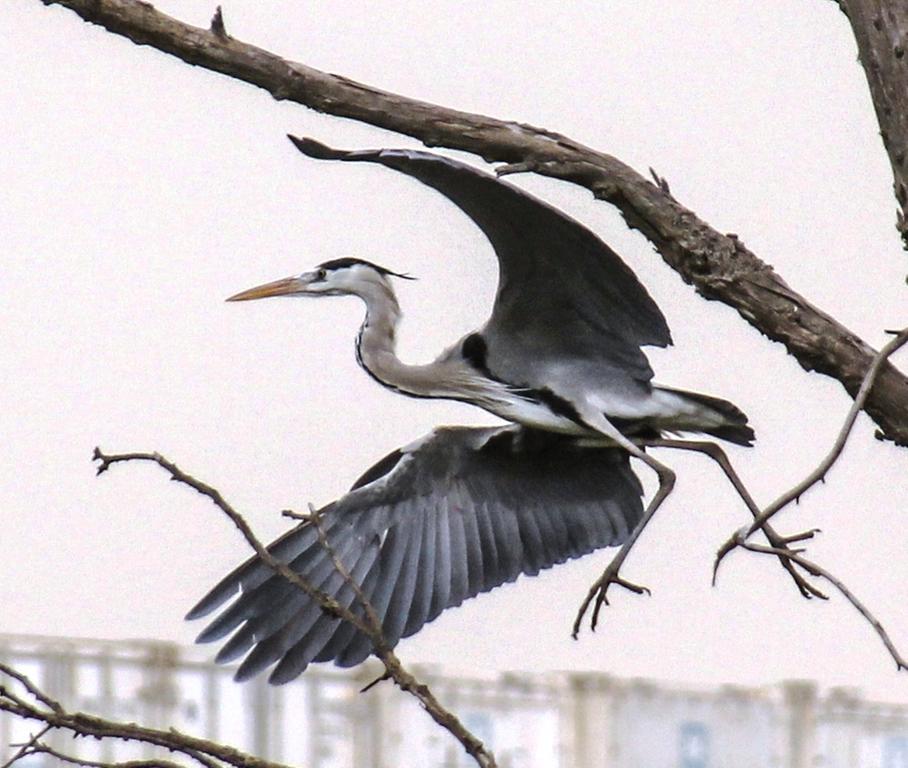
(321, 720)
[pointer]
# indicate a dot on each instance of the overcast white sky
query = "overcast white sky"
(137, 192)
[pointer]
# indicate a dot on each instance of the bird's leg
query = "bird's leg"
(598, 591)
(777, 540)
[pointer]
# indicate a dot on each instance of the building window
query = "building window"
(694, 746)
(895, 752)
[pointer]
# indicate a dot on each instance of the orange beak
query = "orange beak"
(285, 287)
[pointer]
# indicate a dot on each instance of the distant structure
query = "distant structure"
(530, 721)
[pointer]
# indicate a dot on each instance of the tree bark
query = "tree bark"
(881, 30)
(718, 265)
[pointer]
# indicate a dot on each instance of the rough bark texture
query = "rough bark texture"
(719, 266)
(881, 30)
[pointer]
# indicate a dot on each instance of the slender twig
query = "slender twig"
(380, 679)
(327, 602)
(208, 753)
(27, 748)
(370, 625)
(790, 558)
(890, 348)
(818, 474)
(44, 749)
(29, 686)
(373, 622)
(796, 557)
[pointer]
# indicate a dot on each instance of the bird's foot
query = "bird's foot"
(781, 545)
(598, 595)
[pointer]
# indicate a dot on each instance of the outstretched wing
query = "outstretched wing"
(562, 292)
(457, 513)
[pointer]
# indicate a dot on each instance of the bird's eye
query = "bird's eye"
(321, 274)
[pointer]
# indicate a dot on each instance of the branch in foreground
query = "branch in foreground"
(207, 753)
(44, 749)
(718, 265)
(796, 557)
(899, 339)
(26, 749)
(369, 624)
(795, 493)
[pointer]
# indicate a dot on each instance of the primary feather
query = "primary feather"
(457, 513)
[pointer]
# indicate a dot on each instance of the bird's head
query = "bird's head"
(340, 277)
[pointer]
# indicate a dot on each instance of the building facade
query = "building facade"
(321, 720)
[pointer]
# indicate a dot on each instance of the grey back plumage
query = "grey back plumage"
(457, 513)
(563, 294)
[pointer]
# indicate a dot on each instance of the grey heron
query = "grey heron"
(562, 349)
(560, 356)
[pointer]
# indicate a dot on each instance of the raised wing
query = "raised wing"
(562, 292)
(457, 513)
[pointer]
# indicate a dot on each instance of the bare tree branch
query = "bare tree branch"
(370, 624)
(761, 518)
(82, 724)
(718, 265)
(793, 494)
(43, 749)
(29, 686)
(26, 749)
(796, 557)
(372, 620)
(881, 30)
(779, 545)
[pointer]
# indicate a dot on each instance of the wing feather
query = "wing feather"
(402, 599)
(472, 540)
(550, 266)
(461, 511)
(441, 592)
(424, 573)
(457, 558)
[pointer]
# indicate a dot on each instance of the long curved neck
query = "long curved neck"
(376, 348)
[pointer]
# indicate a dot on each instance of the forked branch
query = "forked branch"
(796, 556)
(369, 623)
(793, 494)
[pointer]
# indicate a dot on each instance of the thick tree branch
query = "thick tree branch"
(718, 265)
(881, 30)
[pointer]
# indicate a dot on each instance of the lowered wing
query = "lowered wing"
(457, 513)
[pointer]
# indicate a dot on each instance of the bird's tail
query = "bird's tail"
(713, 416)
